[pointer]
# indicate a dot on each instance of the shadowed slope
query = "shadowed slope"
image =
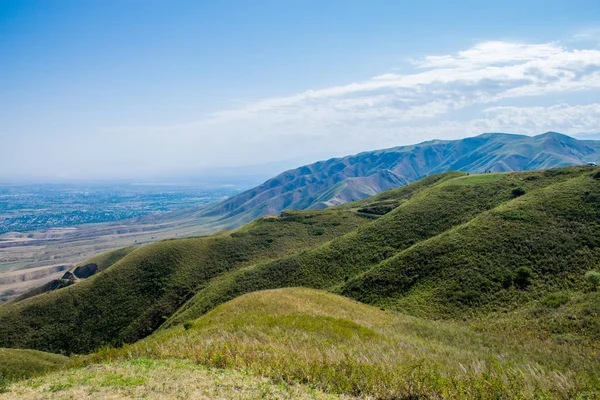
(133, 297)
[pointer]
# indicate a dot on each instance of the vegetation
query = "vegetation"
(18, 364)
(158, 379)
(100, 262)
(593, 277)
(492, 288)
(133, 297)
(344, 347)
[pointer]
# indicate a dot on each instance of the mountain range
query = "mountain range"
(458, 285)
(315, 186)
(340, 180)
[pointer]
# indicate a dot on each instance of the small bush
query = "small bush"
(4, 385)
(523, 277)
(593, 277)
(188, 325)
(518, 192)
(555, 300)
(507, 280)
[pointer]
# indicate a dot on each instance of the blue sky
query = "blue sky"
(138, 89)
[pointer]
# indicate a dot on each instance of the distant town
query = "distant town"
(34, 207)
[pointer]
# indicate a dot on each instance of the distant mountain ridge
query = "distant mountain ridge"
(340, 180)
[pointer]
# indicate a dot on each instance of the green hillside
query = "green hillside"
(133, 297)
(455, 286)
(18, 364)
(346, 348)
(435, 212)
(451, 246)
(552, 231)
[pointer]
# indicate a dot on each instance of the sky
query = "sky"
(149, 89)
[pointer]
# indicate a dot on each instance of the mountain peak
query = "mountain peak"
(556, 135)
(334, 181)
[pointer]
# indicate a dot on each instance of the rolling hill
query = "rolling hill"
(304, 343)
(315, 186)
(446, 246)
(472, 286)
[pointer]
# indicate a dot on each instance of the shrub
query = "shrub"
(593, 277)
(555, 300)
(188, 325)
(523, 277)
(517, 192)
(507, 280)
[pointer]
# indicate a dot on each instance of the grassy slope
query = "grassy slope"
(158, 379)
(19, 364)
(423, 210)
(134, 296)
(444, 250)
(553, 231)
(341, 346)
(108, 258)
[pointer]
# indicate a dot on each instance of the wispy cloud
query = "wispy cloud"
(484, 74)
(492, 86)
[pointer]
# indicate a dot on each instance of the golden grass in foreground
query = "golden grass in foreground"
(341, 346)
(152, 379)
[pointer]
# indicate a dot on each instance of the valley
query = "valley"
(340, 200)
(315, 186)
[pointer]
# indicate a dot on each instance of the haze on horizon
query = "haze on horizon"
(142, 89)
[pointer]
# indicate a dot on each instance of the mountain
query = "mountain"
(340, 180)
(315, 186)
(431, 239)
(457, 285)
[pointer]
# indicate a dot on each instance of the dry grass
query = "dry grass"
(151, 379)
(340, 346)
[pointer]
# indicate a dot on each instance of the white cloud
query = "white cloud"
(485, 74)
(445, 96)
(561, 117)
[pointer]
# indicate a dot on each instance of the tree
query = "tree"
(593, 277)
